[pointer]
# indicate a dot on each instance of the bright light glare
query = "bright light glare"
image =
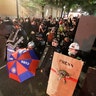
(78, 10)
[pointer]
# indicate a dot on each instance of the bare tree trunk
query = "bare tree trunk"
(62, 11)
(57, 12)
(51, 10)
(42, 11)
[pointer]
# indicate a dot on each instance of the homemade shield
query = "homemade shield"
(64, 75)
(86, 32)
(22, 65)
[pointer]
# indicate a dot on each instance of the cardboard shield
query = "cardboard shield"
(86, 32)
(64, 75)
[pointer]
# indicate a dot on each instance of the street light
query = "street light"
(79, 10)
(17, 9)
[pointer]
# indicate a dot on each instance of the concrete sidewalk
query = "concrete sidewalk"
(35, 86)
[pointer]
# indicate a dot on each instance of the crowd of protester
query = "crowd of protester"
(20, 31)
(42, 31)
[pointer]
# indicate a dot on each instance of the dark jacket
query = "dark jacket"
(46, 59)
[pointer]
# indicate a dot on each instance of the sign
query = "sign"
(86, 32)
(64, 75)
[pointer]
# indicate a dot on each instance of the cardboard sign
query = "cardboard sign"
(86, 32)
(64, 75)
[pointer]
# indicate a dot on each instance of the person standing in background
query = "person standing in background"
(46, 59)
(5, 30)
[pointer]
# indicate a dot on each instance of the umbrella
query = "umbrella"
(22, 65)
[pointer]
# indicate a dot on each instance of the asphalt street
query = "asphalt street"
(35, 86)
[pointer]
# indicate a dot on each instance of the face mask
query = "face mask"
(70, 53)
